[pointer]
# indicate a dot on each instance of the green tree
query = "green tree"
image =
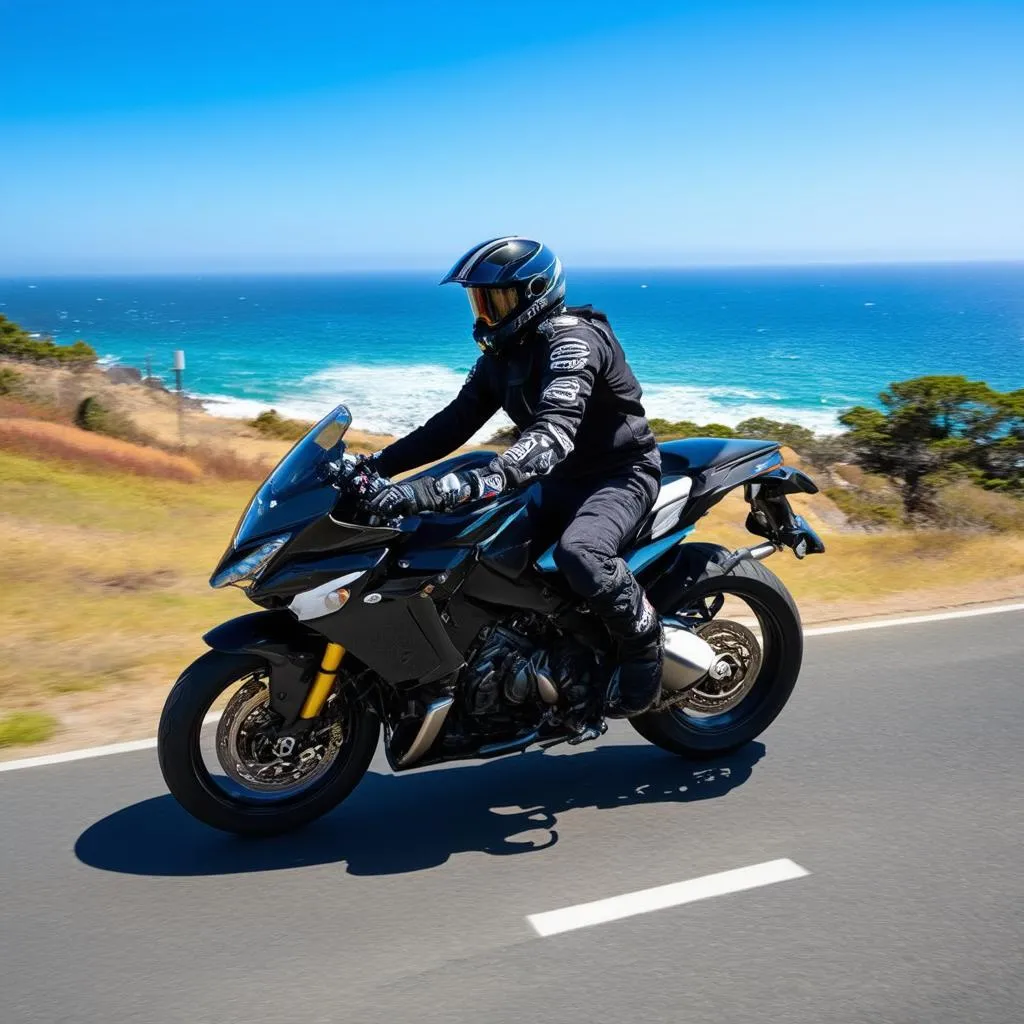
(17, 343)
(935, 427)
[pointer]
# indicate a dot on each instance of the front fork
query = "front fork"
(329, 664)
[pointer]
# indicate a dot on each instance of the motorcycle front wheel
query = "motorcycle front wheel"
(749, 617)
(237, 774)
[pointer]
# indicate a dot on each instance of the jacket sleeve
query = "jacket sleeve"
(575, 357)
(453, 426)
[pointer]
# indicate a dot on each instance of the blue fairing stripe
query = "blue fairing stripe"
(636, 560)
(643, 557)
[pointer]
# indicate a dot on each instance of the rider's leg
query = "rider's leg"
(588, 557)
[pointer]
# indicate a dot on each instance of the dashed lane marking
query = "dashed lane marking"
(615, 908)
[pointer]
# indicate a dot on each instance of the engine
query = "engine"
(522, 669)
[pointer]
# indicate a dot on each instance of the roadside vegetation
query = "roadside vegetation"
(113, 527)
(271, 423)
(17, 343)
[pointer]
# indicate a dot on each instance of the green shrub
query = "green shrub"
(26, 727)
(667, 430)
(93, 415)
(965, 505)
(10, 382)
(271, 423)
(792, 434)
(867, 509)
(17, 343)
(506, 435)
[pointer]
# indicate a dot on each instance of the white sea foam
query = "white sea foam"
(394, 399)
(383, 399)
(720, 405)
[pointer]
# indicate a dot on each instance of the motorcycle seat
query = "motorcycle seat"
(694, 455)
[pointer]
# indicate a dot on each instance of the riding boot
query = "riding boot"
(634, 624)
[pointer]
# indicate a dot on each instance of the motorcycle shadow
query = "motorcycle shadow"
(397, 824)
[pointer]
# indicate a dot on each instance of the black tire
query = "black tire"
(700, 575)
(191, 784)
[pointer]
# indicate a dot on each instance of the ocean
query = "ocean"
(710, 345)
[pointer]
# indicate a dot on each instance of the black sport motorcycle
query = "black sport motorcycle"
(454, 633)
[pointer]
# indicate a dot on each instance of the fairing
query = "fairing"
(296, 491)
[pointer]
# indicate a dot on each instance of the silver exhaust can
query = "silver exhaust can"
(688, 659)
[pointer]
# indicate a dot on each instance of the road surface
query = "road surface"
(893, 784)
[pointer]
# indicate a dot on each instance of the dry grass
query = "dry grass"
(58, 441)
(25, 727)
(966, 506)
(120, 564)
(226, 464)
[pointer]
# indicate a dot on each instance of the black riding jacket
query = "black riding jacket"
(568, 388)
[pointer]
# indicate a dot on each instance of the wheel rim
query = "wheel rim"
(746, 634)
(246, 761)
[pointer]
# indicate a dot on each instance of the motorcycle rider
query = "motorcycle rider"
(561, 376)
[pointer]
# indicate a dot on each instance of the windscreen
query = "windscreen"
(300, 489)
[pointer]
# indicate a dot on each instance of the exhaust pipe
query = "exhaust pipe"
(688, 659)
(431, 725)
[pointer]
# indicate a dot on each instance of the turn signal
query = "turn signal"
(336, 598)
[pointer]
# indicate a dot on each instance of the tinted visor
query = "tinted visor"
(492, 305)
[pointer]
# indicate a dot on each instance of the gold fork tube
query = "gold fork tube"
(321, 687)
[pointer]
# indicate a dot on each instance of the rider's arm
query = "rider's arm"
(453, 426)
(575, 357)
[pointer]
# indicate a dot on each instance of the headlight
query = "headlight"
(249, 566)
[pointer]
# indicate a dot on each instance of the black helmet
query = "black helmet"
(512, 283)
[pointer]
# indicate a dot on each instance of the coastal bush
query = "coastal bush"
(931, 428)
(10, 382)
(864, 508)
(17, 343)
(669, 430)
(271, 423)
(791, 434)
(506, 435)
(26, 727)
(94, 416)
(964, 505)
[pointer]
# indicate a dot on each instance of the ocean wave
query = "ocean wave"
(395, 399)
(713, 405)
(382, 399)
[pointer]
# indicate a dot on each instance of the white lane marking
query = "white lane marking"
(123, 748)
(583, 915)
(85, 752)
(910, 620)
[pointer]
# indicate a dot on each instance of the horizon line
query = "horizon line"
(596, 267)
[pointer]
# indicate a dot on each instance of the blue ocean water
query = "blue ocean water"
(798, 344)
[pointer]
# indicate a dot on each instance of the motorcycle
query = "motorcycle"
(455, 636)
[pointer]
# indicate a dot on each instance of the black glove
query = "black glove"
(433, 494)
(406, 499)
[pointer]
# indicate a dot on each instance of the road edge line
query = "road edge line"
(87, 752)
(911, 620)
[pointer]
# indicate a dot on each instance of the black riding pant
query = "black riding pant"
(602, 513)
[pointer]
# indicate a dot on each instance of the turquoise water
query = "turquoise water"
(708, 345)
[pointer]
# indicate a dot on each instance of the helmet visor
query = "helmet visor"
(492, 305)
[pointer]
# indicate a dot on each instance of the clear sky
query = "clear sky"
(188, 135)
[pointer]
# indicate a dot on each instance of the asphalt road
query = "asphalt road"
(895, 778)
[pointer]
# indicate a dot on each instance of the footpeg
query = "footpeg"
(589, 732)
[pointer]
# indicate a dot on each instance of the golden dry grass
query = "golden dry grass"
(104, 596)
(80, 447)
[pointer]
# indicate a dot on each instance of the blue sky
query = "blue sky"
(236, 136)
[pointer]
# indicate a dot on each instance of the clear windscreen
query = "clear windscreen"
(300, 488)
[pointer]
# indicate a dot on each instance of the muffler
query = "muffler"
(688, 659)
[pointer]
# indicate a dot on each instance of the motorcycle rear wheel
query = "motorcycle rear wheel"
(254, 796)
(697, 728)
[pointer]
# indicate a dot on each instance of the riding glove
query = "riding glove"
(435, 494)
